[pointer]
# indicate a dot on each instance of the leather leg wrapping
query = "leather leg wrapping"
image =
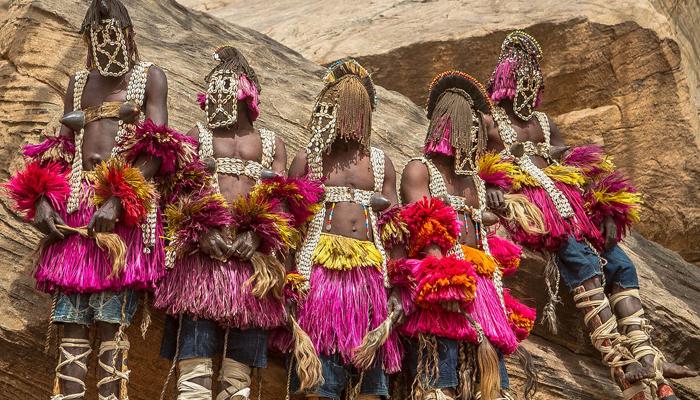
(67, 358)
(237, 376)
(190, 370)
(114, 374)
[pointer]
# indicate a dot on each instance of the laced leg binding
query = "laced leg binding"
(68, 358)
(236, 377)
(114, 374)
(189, 371)
(639, 341)
(607, 340)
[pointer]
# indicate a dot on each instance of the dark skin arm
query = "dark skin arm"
(494, 194)
(245, 244)
(211, 243)
(156, 109)
(415, 183)
(46, 218)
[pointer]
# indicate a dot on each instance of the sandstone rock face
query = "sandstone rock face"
(622, 74)
(39, 49)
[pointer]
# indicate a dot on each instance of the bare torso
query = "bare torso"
(241, 144)
(415, 185)
(346, 165)
(527, 131)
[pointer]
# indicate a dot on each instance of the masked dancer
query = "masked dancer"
(587, 206)
(228, 218)
(342, 259)
(92, 191)
(457, 310)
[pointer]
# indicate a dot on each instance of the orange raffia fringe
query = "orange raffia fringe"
(484, 264)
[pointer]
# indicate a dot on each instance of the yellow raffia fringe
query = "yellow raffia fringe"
(520, 210)
(343, 253)
(257, 207)
(491, 163)
(565, 174)
(297, 283)
(394, 231)
(143, 189)
(484, 264)
(634, 200)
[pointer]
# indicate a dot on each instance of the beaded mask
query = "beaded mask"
(344, 107)
(109, 51)
(518, 75)
(222, 99)
(455, 103)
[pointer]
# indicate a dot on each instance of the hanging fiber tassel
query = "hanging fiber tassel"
(487, 359)
(530, 370)
(364, 355)
(467, 375)
(111, 242)
(549, 314)
(308, 365)
(428, 368)
(145, 316)
(268, 274)
(520, 210)
(490, 376)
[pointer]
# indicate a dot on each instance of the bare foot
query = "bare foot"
(636, 372)
(675, 371)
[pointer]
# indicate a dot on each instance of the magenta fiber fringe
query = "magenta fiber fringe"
(76, 264)
(439, 322)
(443, 147)
(503, 84)
(488, 312)
(37, 151)
(559, 228)
(205, 288)
(589, 159)
(341, 307)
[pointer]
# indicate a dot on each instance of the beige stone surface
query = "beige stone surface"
(623, 74)
(39, 49)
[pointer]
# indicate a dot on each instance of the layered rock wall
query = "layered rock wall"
(622, 74)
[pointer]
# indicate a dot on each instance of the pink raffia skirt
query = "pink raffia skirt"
(206, 288)
(76, 264)
(342, 307)
(559, 228)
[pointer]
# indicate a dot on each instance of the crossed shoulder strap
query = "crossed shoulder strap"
(544, 124)
(436, 184)
(268, 139)
(378, 165)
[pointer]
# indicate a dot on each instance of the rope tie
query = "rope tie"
(189, 371)
(605, 337)
(237, 376)
(175, 357)
(68, 358)
(639, 340)
(549, 314)
(122, 374)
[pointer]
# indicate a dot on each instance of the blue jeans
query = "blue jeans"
(205, 339)
(578, 263)
(88, 308)
(337, 376)
(448, 364)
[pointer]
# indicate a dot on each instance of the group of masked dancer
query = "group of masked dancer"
(357, 281)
